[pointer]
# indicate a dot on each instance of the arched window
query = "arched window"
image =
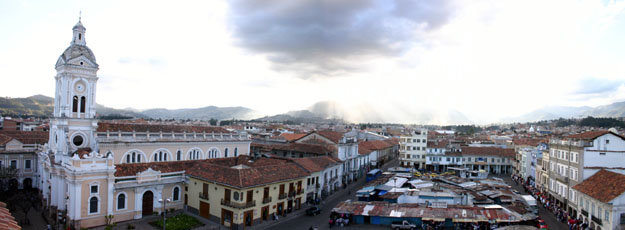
(134, 157)
(75, 104)
(155, 157)
(138, 158)
(93, 205)
(121, 201)
(160, 156)
(82, 104)
(226, 152)
(176, 195)
(128, 158)
(236, 152)
(178, 155)
(79, 36)
(165, 157)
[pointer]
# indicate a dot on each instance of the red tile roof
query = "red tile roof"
(603, 186)
(437, 144)
(318, 149)
(487, 151)
(292, 136)
(4, 139)
(249, 172)
(143, 127)
(366, 147)
(28, 137)
(591, 135)
(331, 135)
(7, 221)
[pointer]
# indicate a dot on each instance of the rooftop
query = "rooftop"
(603, 186)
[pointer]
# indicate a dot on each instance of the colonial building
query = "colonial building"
(601, 200)
(18, 150)
(85, 168)
(576, 157)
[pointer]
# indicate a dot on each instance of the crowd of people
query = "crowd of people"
(339, 219)
(573, 222)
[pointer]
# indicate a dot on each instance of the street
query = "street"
(321, 220)
(544, 214)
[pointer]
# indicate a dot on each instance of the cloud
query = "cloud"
(597, 86)
(321, 38)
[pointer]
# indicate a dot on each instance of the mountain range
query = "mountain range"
(321, 112)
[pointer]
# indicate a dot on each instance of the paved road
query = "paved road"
(544, 214)
(304, 222)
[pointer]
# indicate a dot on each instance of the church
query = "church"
(84, 166)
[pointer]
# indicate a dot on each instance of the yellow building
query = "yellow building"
(241, 192)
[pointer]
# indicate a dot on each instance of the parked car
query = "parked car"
(312, 211)
(403, 225)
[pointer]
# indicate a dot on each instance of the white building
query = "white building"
(601, 200)
(412, 148)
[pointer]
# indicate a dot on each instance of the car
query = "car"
(397, 225)
(312, 211)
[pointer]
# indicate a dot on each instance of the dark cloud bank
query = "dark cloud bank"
(320, 38)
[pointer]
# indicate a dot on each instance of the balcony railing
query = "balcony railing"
(282, 196)
(292, 194)
(266, 200)
(596, 220)
(231, 204)
(299, 192)
(203, 196)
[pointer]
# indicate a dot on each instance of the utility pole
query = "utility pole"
(164, 209)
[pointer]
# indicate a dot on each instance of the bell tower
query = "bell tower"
(73, 125)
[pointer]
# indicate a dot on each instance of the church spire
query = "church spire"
(79, 33)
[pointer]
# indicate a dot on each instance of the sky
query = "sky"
(366, 60)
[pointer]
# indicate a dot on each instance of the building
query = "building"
(378, 151)
(601, 200)
(87, 168)
(412, 148)
(345, 149)
(325, 174)
(18, 150)
(576, 157)
(243, 191)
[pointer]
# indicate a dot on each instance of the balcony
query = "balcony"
(282, 196)
(231, 204)
(596, 220)
(266, 200)
(292, 194)
(584, 212)
(203, 196)
(299, 192)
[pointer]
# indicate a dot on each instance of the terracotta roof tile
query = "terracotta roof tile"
(249, 172)
(143, 127)
(318, 149)
(7, 221)
(292, 136)
(4, 139)
(28, 137)
(591, 135)
(331, 135)
(603, 186)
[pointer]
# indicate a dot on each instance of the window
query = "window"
(75, 104)
(178, 155)
(94, 189)
(607, 142)
(93, 205)
(194, 154)
(602, 154)
(155, 157)
(176, 195)
(236, 151)
(607, 216)
(121, 201)
(622, 218)
(226, 151)
(599, 212)
(27, 164)
(82, 104)
(13, 164)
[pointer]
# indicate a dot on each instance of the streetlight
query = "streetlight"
(164, 209)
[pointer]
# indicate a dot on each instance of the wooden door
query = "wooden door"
(264, 213)
(227, 194)
(205, 209)
(248, 218)
(148, 203)
(250, 193)
(265, 193)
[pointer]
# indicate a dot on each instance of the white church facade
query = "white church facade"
(79, 164)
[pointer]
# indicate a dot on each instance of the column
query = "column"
(138, 203)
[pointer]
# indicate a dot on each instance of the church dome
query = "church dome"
(74, 51)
